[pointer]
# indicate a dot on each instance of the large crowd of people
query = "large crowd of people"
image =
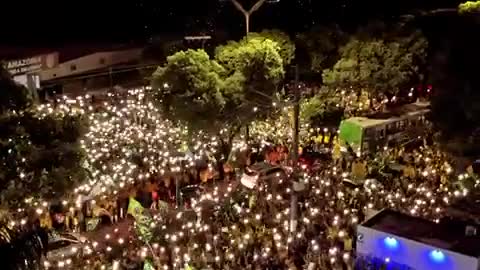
(223, 224)
(251, 228)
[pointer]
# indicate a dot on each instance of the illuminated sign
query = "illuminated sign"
(32, 64)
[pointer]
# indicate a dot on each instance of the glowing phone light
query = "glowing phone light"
(390, 242)
(437, 256)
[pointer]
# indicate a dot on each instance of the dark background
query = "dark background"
(53, 23)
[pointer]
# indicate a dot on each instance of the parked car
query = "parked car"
(262, 172)
(64, 245)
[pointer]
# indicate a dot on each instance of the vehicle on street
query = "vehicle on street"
(64, 245)
(263, 172)
(367, 134)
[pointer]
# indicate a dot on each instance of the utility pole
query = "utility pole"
(295, 183)
(110, 72)
(248, 13)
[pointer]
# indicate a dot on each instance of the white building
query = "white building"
(399, 241)
(89, 63)
(26, 71)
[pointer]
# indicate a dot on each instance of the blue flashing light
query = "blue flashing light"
(391, 243)
(437, 256)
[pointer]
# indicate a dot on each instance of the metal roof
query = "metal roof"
(365, 122)
(449, 236)
(391, 116)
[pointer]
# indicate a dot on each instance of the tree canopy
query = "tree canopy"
(206, 93)
(221, 95)
(191, 89)
(283, 45)
(378, 65)
(321, 45)
(286, 45)
(13, 96)
(257, 64)
(469, 7)
(40, 155)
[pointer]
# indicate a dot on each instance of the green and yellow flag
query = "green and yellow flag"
(135, 208)
(147, 265)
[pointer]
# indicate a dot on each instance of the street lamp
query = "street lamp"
(247, 13)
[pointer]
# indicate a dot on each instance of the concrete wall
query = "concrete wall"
(408, 252)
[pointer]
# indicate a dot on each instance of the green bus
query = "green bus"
(367, 134)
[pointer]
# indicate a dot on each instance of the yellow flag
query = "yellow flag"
(347, 244)
(337, 152)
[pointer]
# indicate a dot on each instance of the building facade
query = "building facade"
(26, 71)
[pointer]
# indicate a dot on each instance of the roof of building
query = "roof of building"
(390, 116)
(365, 122)
(67, 52)
(450, 236)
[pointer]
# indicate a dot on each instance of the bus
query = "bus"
(399, 126)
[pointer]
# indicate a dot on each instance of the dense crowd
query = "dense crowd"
(250, 228)
(226, 225)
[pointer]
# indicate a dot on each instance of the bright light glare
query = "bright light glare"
(390, 242)
(437, 256)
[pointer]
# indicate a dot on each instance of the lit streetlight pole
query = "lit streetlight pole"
(248, 13)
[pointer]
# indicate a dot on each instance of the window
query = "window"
(382, 133)
(73, 67)
(391, 128)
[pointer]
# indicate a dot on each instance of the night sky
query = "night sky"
(44, 23)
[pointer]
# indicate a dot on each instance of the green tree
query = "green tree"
(469, 7)
(254, 68)
(321, 45)
(380, 66)
(284, 46)
(190, 88)
(324, 108)
(221, 95)
(12, 95)
(40, 155)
